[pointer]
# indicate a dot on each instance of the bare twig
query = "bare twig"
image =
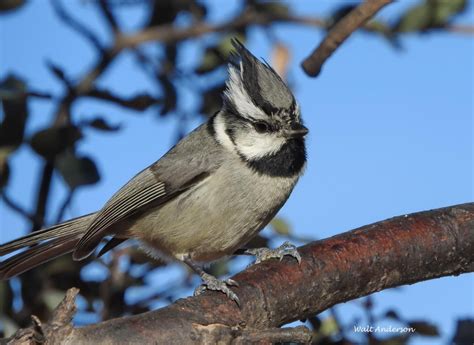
(138, 102)
(65, 204)
(65, 311)
(339, 33)
(171, 33)
(58, 328)
(73, 23)
(39, 94)
(462, 29)
(43, 195)
(17, 208)
(109, 16)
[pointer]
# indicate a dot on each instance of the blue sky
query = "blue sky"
(390, 131)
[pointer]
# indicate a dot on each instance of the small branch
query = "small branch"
(39, 94)
(87, 82)
(138, 102)
(109, 16)
(339, 33)
(43, 195)
(58, 328)
(64, 205)
(64, 312)
(17, 208)
(172, 34)
(70, 21)
(462, 29)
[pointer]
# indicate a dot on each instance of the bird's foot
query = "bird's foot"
(212, 283)
(262, 254)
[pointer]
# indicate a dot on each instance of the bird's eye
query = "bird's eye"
(261, 127)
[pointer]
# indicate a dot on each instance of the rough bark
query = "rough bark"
(398, 251)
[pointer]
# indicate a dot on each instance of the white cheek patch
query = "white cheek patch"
(221, 135)
(255, 145)
(237, 94)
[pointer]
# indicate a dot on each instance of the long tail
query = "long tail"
(49, 244)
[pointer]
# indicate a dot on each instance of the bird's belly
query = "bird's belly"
(216, 218)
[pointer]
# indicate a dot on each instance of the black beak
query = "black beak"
(296, 131)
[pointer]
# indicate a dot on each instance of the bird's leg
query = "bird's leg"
(209, 282)
(262, 254)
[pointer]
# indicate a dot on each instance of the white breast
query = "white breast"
(219, 216)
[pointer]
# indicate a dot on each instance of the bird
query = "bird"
(208, 196)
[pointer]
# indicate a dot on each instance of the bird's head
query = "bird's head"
(260, 116)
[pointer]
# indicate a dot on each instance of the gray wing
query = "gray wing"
(189, 162)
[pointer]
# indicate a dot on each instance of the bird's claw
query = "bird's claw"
(212, 283)
(263, 254)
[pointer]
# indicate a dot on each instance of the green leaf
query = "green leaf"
(424, 328)
(272, 7)
(14, 105)
(57, 71)
(100, 124)
(77, 171)
(210, 60)
(170, 95)
(258, 242)
(445, 10)
(52, 141)
(225, 46)
(219, 268)
(218, 55)
(429, 14)
(52, 298)
(329, 326)
(6, 298)
(464, 333)
(395, 340)
(280, 226)
(211, 100)
(4, 171)
(392, 314)
(386, 31)
(9, 5)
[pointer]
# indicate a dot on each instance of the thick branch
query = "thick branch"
(394, 252)
(340, 32)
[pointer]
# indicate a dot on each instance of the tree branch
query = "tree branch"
(462, 29)
(171, 34)
(109, 16)
(339, 33)
(137, 102)
(16, 207)
(74, 24)
(398, 251)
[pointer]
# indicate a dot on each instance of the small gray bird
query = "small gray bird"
(205, 198)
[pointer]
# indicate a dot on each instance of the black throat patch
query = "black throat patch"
(287, 162)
